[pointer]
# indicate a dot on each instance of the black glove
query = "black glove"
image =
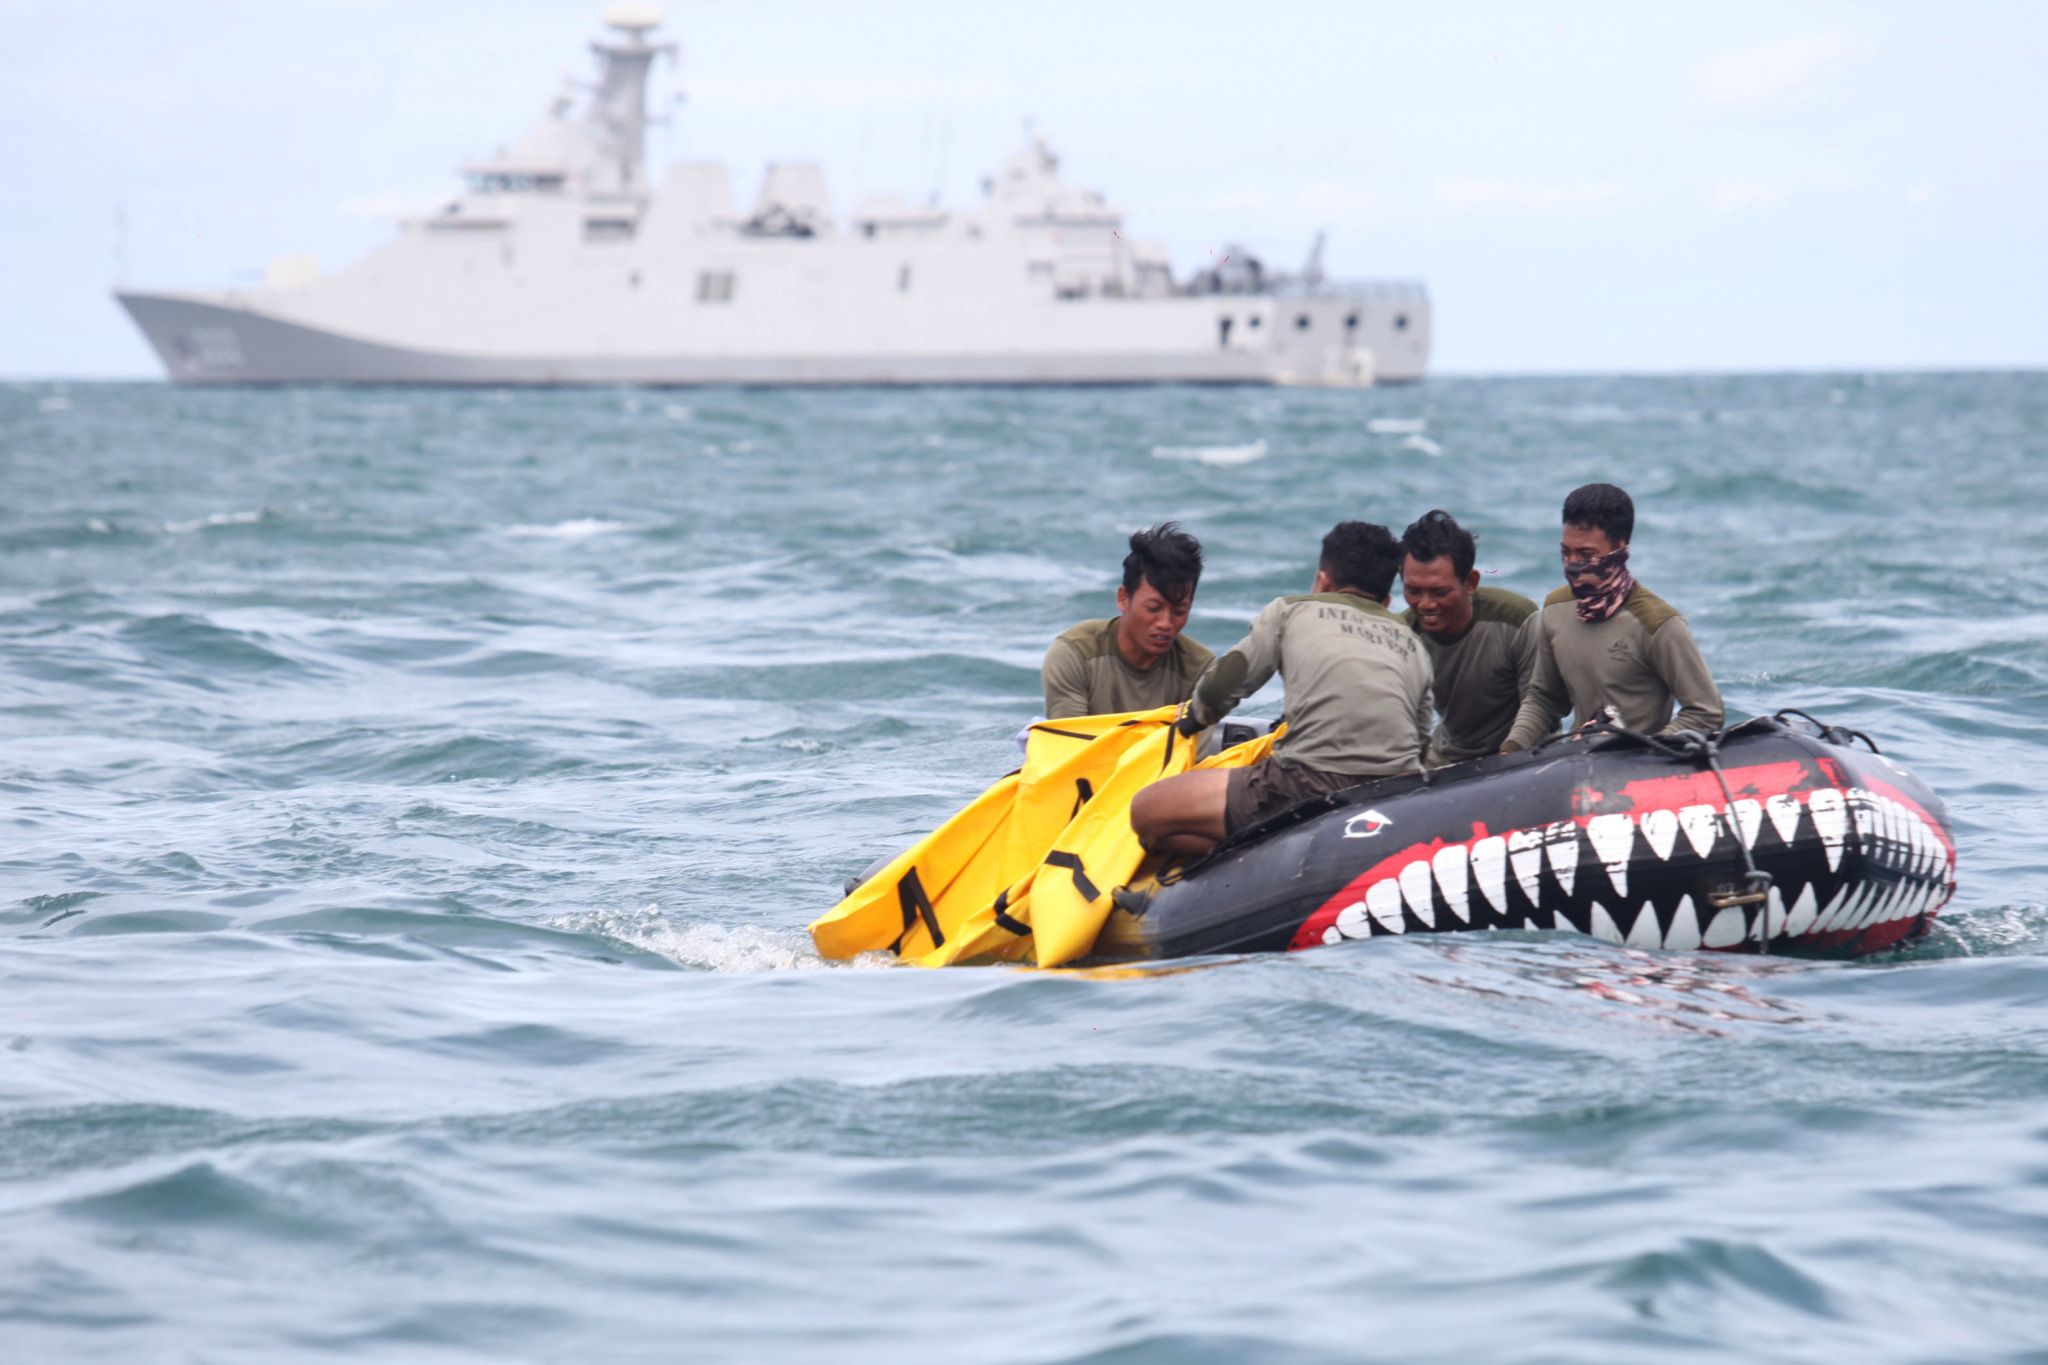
(1186, 723)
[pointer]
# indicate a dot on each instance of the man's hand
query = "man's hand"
(1186, 723)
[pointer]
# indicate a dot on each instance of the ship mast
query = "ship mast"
(618, 107)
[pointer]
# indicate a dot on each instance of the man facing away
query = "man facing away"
(1606, 640)
(1136, 660)
(1357, 700)
(1480, 641)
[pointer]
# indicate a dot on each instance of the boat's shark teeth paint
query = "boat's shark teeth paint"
(1646, 932)
(1784, 812)
(1830, 821)
(1490, 866)
(1418, 889)
(1451, 865)
(1660, 832)
(1613, 838)
(1525, 856)
(1684, 934)
(1561, 850)
(1702, 826)
(1531, 878)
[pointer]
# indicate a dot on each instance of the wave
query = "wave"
(1222, 457)
(580, 529)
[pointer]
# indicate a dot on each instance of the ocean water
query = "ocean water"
(414, 803)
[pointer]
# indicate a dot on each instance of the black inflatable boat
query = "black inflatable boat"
(1781, 835)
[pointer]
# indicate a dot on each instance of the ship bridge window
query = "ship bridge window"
(1253, 321)
(608, 229)
(514, 182)
(714, 286)
(1223, 331)
(1301, 323)
(1400, 322)
(1351, 322)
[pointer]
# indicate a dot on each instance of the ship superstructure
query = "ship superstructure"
(560, 263)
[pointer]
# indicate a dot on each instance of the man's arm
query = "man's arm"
(1066, 682)
(1676, 657)
(1239, 671)
(1544, 697)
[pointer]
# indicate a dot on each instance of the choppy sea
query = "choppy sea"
(414, 802)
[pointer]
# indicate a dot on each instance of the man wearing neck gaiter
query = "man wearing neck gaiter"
(1606, 640)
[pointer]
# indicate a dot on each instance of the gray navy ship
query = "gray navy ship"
(563, 263)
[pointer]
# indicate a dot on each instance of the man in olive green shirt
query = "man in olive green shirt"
(1604, 640)
(1357, 700)
(1480, 644)
(1137, 660)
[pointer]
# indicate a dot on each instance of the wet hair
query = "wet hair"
(1436, 534)
(1168, 558)
(1362, 556)
(1602, 507)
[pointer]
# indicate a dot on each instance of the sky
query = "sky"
(1584, 187)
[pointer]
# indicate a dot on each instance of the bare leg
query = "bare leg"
(1182, 814)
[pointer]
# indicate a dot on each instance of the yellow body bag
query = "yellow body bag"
(1024, 872)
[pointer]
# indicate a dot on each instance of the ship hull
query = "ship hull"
(204, 341)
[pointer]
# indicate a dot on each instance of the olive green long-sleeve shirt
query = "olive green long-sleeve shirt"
(1480, 676)
(1357, 683)
(1640, 661)
(1085, 674)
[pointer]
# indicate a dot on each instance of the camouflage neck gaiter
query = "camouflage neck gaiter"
(1601, 585)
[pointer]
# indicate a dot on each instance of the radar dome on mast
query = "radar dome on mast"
(633, 18)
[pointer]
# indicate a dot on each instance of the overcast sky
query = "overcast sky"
(1584, 187)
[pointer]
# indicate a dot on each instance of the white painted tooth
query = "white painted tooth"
(1771, 919)
(1804, 908)
(1490, 868)
(1383, 899)
(1351, 922)
(1613, 838)
(1420, 892)
(1452, 865)
(1646, 932)
(1861, 817)
(1726, 929)
(1701, 827)
(1851, 909)
(1333, 934)
(1784, 813)
(1824, 922)
(1660, 831)
(1830, 821)
(1749, 818)
(1684, 934)
(1601, 925)
(1561, 850)
(1887, 903)
(1525, 856)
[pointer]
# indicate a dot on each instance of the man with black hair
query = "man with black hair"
(1478, 639)
(1604, 640)
(1137, 660)
(1357, 700)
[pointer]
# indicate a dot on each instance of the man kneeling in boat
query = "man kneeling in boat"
(1357, 700)
(1137, 660)
(1604, 640)
(1479, 639)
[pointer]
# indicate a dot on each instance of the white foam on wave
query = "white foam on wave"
(1397, 426)
(1423, 444)
(179, 528)
(712, 947)
(1220, 456)
(570, 530)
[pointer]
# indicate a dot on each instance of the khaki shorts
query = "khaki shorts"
(1267, 788)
